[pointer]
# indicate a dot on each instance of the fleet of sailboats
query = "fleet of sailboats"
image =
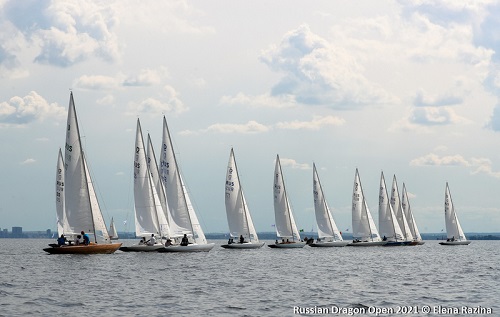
(165, 215)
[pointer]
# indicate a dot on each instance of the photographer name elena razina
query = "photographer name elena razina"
(403, 310)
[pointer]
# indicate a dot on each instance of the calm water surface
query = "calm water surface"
(263, 282)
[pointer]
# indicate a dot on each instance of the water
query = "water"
(263, 282)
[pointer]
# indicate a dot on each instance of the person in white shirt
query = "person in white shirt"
(152, 241)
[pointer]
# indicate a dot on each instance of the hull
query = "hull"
(329, 244)
(84, 249)
(243, 245)
(420, 242)
(397, 243)
(188, 248)
(142, 248)
(367, 244)
(466, 242)
(287, 245)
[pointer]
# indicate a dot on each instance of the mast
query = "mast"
(453, 210)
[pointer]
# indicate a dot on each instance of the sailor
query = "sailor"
(86, 239)
(242, 239)
(185, 240)
(61, 240)
(152, 241)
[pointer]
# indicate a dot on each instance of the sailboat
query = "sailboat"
(239, 220)
(399, 213)
(184, 223)
(328, 233)
(405, 203)
(285, 223)
(454, 232)
(78, 207)
(150, 219)
(388, 224)
(113, 234)
(364, 232)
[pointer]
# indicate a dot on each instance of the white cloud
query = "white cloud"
(435, 116)
(436, 160)
(167, 102)
(476, 165)
(67, 32)
(315, 124)
(96, 82)
(264, 100)
(32, 107)
(28, 161)
(249, 127)
(147, 77)
(318, 73)
(294, 164)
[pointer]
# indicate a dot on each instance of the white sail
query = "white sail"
(405, 203)
(62, 224)
(327, 229)
(113, 234)
(182, 212)
(147, 208)
(81, 206)
(398, 211)
(388, 224)
(453, 228)
(285, 223)
(237, 212)
(363, 226)
(100, 230)
(158, 190)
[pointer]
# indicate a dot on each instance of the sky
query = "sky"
(410, 88)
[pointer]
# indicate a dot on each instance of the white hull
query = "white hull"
(330, 244)
(247, 245)
(188, 248)
(367, 244)
(465, 242)
(287, 245)
(142, 248)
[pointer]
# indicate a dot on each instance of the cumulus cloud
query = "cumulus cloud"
(263, 100)
(249, 127)
(424, 100)
(96, 82)
(167, 102)
(147, 77)
(476, 165)
(436, 160)
(315, 124)
(318, 73)
(32, 107)
(294, 164)
(435, 116)
(67, 32)
(28, 161)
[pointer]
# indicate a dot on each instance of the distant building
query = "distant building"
(17, 232)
